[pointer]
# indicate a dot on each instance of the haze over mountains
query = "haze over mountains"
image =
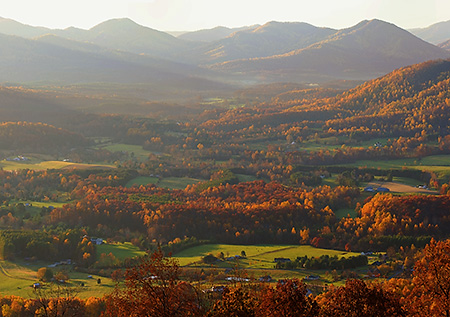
(371, 47)
(122, 51)
(435, 34)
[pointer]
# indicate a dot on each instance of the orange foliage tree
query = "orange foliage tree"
(153, 288)
(357, 299)
(288, 298)
(430, 295)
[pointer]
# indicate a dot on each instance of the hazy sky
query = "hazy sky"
(188, 15)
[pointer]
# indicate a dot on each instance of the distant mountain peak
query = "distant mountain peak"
(118, 23)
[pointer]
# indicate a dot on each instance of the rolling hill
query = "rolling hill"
(23, 60)
(404, 102)
(52, 59)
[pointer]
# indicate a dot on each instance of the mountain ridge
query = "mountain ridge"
(121, 50)
(348, 52)
(435, 33)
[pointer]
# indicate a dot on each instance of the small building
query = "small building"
(265, 279)
(232, 258)
(97, 241)
(217, 289)
(312, 277)
(237, 279)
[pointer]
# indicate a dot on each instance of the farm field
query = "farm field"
(259, 261)
(38, 165)
(343, 212)
(135, 150)
(257, 256)
(178, 182)
(440, 164)
(120, 250)
(17, 279)
(142, 180)
(167, 182)
(246, 178)
(396, 187)
(46, 204)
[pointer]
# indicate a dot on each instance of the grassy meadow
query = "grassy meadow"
(257, 256)
(120, 250)
(440, 164)
(16, 278)
(167, 182)
(39, 165)
(135, 150)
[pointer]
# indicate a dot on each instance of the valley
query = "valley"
(222, 162)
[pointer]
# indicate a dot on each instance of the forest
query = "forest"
(290, 169)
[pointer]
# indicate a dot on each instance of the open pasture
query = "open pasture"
(17, 279)
(39, 165)
(120, 250)
(257, 256)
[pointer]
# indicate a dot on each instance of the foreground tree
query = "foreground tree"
(57, 300)
(153, 288)
(237, 302)
(288, 298)
(357, 298)
(430, 295)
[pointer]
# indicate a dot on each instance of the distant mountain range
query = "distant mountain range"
(122, 51)
(214, 34)
(369, 49)
(435, 34)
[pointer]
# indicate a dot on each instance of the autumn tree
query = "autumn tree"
(57, 300)
(430, 295)
(288, 298)
(357, 299)
(153, 288)
(44, 274)
(235, 302)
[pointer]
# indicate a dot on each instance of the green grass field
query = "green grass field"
(178, 182)
(120, 250)
(142, 180)
(258, 256)
(137, 150)
(343, 212)
(440, 164)
(168, 182)
(40, 204)
(246, 178)
(17, 279)
(39, 165)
